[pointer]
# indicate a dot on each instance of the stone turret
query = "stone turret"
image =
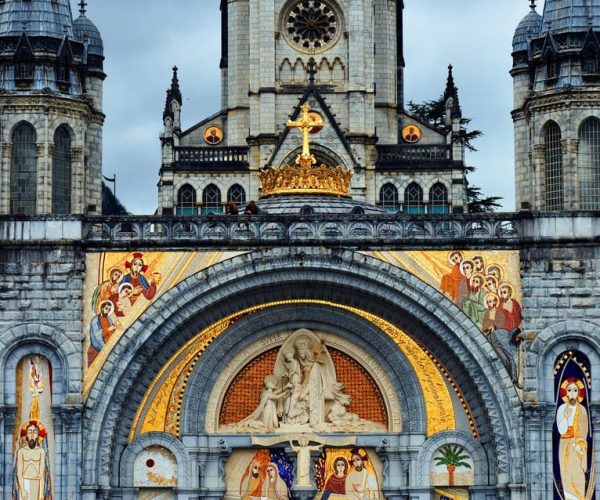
(556, 82)
(51, 73)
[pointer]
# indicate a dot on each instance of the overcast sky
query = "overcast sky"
(143, 39)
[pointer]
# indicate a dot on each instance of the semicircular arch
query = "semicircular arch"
(350, 277)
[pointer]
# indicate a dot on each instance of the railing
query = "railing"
(399, 154)
(384, 231)
(273, 230)
(220, 158)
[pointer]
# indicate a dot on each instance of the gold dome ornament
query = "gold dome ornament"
(304, 177)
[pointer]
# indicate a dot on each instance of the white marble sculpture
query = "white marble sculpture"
(303, 393)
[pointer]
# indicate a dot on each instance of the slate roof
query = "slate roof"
(529, 27)
(37, 17)
(320, 204)
(570, 15)
(85, 30)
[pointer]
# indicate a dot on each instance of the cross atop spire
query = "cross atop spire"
(82, 6)
(306, 123)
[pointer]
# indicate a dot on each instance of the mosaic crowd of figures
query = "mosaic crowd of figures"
(114, 299)
(572, 439)
(484, 291)
(33, 448)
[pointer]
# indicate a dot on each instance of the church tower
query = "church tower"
(51, 78)
(556, 76)
(343, 58)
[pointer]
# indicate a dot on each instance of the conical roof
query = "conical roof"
(570, 15)
(36, 17)
(529, 27)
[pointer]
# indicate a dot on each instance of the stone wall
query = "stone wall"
(41, 313)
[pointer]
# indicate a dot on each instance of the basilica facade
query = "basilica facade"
(354, 334)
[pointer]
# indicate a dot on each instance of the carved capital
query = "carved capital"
(71, 417)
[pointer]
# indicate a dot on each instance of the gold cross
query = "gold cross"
(305, 124)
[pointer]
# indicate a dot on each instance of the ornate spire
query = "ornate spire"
(172, 93)
(82, 6)
(452, 92)
(532, 4)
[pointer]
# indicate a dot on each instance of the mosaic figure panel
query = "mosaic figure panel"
(33, 449)
(120, 286)
(262, 474)
(452, 466)
(348, 473)
(302, 393)
(572, 432)
(485, 285)
(155, 466)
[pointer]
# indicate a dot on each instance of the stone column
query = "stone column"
(6, 448)
(70, 416)
(5, 177)
(211, 472)
(78, 181)
(44, 179)
(537, 178)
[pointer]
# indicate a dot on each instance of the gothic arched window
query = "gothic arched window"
(23, 170)
(413, 199)
(61, 171)
(588, 164)
(211, 200)
(554, 166)
(388, 197)
(186, 201)
(438, 199)
(237, 194)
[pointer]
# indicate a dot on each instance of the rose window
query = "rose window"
(311, 24)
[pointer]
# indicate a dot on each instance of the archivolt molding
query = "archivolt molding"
(554, 340)
(270, 322)
(241, 359)
(36, 338)
(118, 387)
(478, 454)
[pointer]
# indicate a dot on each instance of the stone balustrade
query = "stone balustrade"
(497, 230)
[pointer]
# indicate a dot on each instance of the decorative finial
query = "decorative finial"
(532, 4)
(306, 123)
(312, 70)
(305, 177)
(82, 6)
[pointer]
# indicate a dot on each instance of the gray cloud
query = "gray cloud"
(144, 38)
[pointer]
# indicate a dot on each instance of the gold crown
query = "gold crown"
(304, 177)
